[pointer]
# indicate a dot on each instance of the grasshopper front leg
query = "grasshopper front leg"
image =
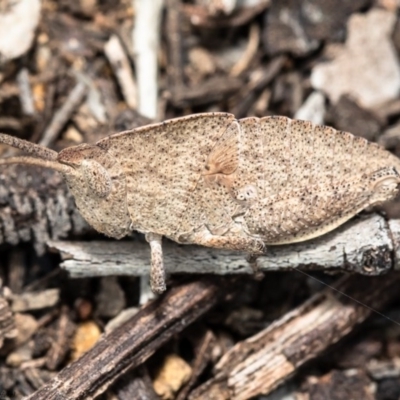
(157, 271)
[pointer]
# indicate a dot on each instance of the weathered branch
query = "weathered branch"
(366, 245)
(261, 363)
(122, 69)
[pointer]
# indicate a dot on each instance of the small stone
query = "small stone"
(86, 336)
(110, 299)
(313, 109)
(173, 374)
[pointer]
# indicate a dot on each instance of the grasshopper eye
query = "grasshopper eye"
(386, 179)
(97, 177)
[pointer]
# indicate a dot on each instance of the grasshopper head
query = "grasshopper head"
(95, 179)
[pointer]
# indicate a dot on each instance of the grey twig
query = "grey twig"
(120, 64)
(363, 245)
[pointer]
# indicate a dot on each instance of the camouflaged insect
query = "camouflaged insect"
(215, 181)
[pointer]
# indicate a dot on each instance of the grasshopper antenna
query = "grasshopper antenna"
(31, 148)
(38, 162)
(47, 158)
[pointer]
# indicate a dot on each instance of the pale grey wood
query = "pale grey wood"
(363, 245)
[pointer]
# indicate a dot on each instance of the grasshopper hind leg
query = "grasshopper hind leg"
(157, 271)
(253, 247)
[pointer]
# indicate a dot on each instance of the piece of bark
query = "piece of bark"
(261, 363)
(16, 270)
(35, 204)
(130, 344)
(364, 245)
(7, 324)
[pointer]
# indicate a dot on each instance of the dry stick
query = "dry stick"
(25, 92)
(133, 342)
(250, 52)
(122, 70)
(261, 363)
(62, 115)
(363, 245)
(175, 53)
(146, 33)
